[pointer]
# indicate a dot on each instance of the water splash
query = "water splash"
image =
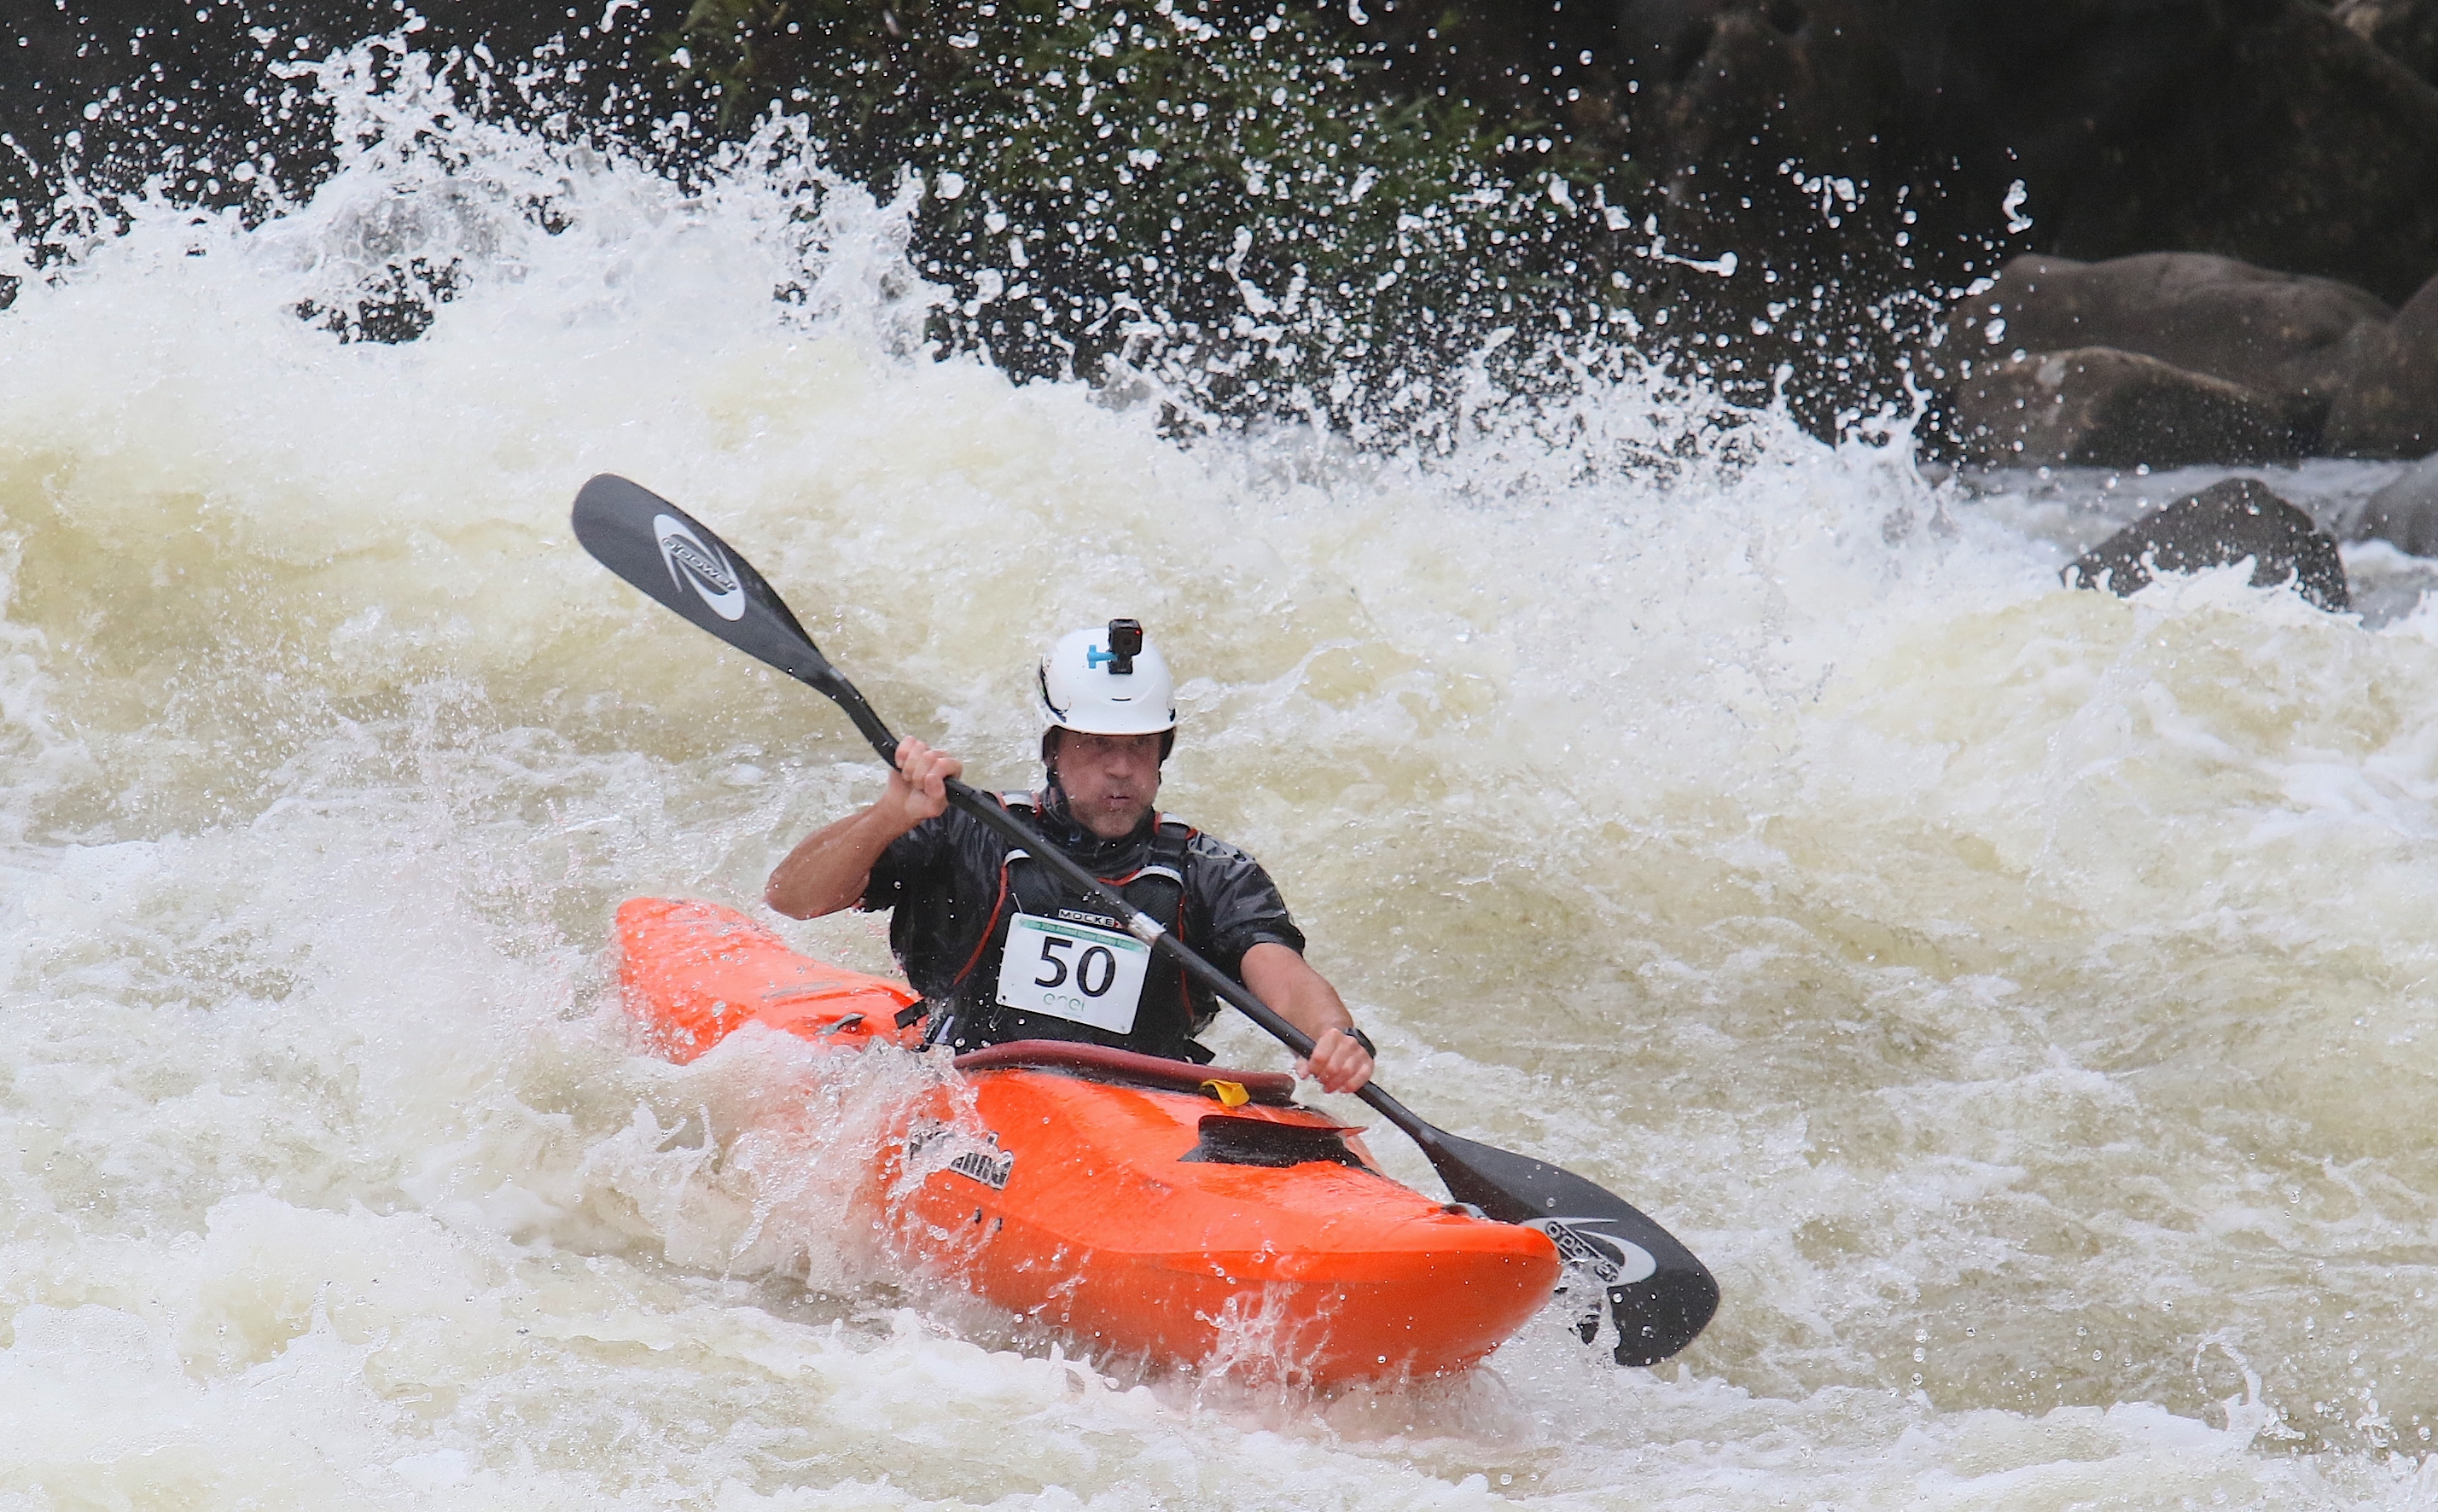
(2033, 981)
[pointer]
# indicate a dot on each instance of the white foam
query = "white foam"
(2019, 997)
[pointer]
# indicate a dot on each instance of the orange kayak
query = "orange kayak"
(1149, 1208)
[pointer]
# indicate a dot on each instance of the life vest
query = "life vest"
(1074, 953)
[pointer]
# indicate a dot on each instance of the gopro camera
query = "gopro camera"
(1125, 643)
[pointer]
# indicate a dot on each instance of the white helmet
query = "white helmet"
(1107, 682)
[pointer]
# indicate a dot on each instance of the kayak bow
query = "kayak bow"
(1149, 1208)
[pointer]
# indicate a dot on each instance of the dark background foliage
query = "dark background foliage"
(1269, 208)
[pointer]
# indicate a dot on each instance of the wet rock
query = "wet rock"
(2263, 129)
(2098, 407)
(2405, 513)
(2224, 522)
(2387, 398)
(2406, 30)
(2279, 334)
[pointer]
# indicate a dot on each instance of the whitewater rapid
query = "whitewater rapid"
(2021, 999)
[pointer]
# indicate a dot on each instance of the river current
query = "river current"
(2022, 1000)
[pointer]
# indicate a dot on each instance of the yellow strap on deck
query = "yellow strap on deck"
(1231, 1094)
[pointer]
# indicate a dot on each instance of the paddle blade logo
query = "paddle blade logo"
(695, 563)
(1616, 1261)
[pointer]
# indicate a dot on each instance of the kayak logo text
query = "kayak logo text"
(991, 1170)
(1615, 1260)
(695, 563)
(990, 1167)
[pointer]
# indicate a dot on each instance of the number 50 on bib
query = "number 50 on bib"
(1074, 971)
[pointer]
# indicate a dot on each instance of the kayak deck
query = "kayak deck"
(1191, 1215)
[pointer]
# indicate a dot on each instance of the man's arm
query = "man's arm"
(1286, 983)
(830, 870)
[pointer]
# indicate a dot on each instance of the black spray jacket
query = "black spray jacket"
(956, 890)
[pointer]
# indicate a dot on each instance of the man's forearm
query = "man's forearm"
(1286, 983)
(833, 867)
(830, 870)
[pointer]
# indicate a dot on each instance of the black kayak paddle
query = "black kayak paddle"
(1660, 1296)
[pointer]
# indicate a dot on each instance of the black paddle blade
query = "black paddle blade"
(677, 559)
(1658, 1293)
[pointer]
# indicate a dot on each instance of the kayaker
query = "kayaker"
(1002, 950)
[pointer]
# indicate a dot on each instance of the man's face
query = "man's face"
(1110, 780)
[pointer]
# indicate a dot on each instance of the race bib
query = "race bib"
(1074, 971)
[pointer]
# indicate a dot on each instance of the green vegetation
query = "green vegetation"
(1253, 205)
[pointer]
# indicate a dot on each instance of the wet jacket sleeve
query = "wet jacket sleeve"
(1234, 906)
(913, 860)
(937, 881)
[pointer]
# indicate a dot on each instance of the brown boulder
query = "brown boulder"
(2223, 523)
(2280, 334)
(2387, 400)
(2098, 407)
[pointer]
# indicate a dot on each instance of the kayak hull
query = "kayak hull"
(1186, 1215)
